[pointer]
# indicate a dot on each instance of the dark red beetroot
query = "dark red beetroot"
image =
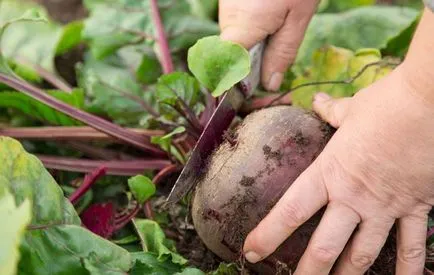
(244, 181)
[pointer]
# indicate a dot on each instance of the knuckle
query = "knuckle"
(261, 244)
(292, 214)
(282, 51)
(331, 115)
(324, 255)
(412, 254)
(362, 260)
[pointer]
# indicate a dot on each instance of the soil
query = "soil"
(188, 243)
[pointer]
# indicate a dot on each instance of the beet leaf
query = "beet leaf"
(218, 64)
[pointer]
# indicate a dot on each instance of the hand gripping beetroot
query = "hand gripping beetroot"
(247, 177)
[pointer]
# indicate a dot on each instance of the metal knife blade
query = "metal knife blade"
(212, 136)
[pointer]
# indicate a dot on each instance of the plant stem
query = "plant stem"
(114, 167)
(96, 152)
(184, 110)
(191, 117)
(333, 82)
(164, 172)
(165, 58)
(89, 119)
(147, 209)
(88, 181)
(209, 109)
(126, 219)
(69, 133)
(51, 78)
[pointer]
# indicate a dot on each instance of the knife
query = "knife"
(221, 119)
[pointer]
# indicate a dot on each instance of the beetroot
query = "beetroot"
(244, 180)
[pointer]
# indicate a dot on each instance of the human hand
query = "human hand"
(378, 168)
(248, 22)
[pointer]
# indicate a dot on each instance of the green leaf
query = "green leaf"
(365, 27)
(165, 142)
(225, 269)
(70, 38)
(191, 271)
(61, 249)
(149, 70)
(115, 25)
(42, 112)
(96, 267)
(32, 39)
(218, 64)
(399, 45)
(148, 263)
(338, 64)
(153, 240)
(343, 5)
(142, 188)
(83, 202)
(55, 242)
(11, 233)
(29, 36)
(112, 90)
(7, 19)
(206, 9)
(177, 86)
(126, 240)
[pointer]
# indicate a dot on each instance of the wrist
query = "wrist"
(417, 68)
(416, 82)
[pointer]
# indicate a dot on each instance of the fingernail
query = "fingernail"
(252, 257)
(275, 81)
(320, 97)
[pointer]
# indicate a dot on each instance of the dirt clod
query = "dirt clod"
(247, 181)
(270, 154)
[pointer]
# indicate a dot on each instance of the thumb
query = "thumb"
(331, 110)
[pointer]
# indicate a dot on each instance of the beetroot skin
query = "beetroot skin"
(245, 179)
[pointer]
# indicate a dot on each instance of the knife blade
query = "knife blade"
(212, 136)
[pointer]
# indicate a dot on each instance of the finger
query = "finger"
(243, 35)
(283, 45)
(364, 247)
(301, 201)
(331, 110)
(411, 244)
(328, 240)
(246, 25)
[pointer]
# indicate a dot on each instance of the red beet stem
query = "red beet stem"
(89, 180)
(166, 58)
(121, 222)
